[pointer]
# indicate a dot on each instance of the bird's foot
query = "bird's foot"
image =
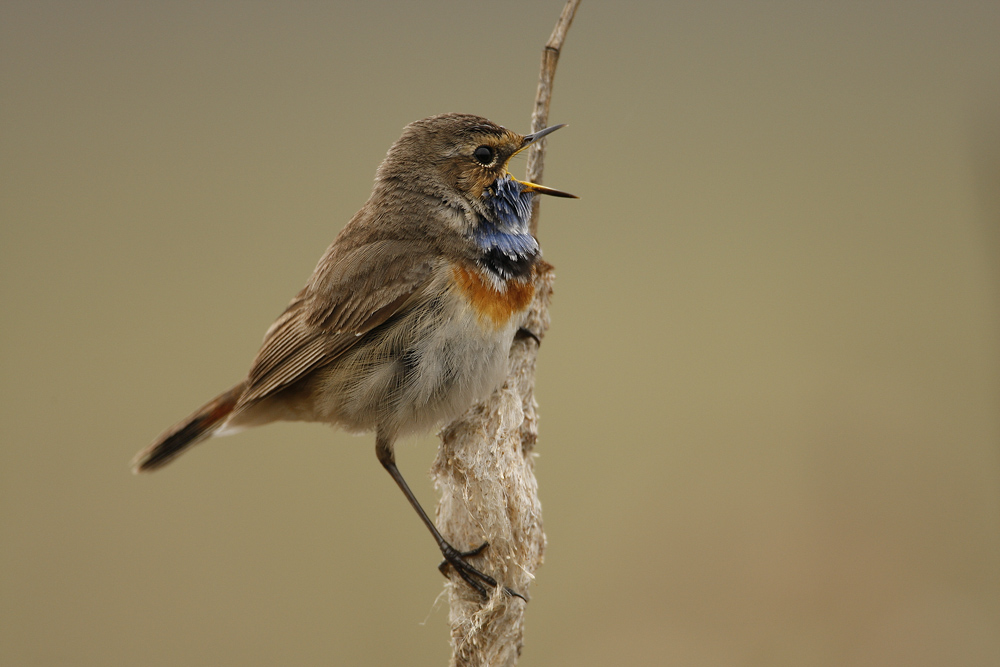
(470, 575)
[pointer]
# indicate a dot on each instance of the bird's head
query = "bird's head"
(460, 154)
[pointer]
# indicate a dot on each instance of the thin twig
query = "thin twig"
(543, 98)
(485, 466)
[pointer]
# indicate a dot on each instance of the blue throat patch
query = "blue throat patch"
(509, 249)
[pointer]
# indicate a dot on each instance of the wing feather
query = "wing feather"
(348, 295)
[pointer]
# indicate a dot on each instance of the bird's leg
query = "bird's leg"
(452, 556)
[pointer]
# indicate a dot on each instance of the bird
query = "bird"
(410, 314)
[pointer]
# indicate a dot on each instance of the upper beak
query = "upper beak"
(532, 138)
(534, 187)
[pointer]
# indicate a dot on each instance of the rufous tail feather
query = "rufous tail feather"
(199, 426)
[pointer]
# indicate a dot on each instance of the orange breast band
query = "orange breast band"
(489, 302)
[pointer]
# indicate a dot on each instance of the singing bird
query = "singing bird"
(409, 316)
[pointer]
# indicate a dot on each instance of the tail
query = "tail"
(199, 426)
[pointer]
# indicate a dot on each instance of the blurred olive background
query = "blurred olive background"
(770, 395)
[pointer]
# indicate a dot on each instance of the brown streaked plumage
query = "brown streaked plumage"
(408, 317)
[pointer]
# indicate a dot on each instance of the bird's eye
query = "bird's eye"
(483, 155)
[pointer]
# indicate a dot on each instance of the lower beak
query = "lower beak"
(542, 190)
(534, 187)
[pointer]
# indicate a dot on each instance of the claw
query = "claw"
(523, 333)
(469, 574)
(511, 593)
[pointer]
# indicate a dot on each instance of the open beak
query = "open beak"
(534, 187)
